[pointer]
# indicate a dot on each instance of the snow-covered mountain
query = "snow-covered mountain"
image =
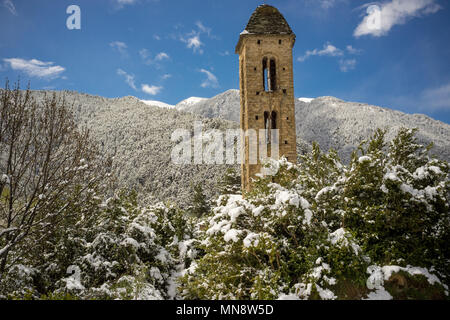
(157, 104)
(307, 100)
(189, 102)
(138, 137)
(341, 125)
(338, 124)
(224, 106)
(138, 134)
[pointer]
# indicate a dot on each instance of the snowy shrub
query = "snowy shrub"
(111, 248)
(313, 230)
(230, 183)
(270, 246)
(397, 203)
(374, 229)
(18, 282)
(135, 251)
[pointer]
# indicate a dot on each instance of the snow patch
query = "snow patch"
(379, 294)
(189, 102)
(257, 211)
(72, 283)
(306, 100)
(233, 235)
(340, 238)
(158, 104)
(378, 275)
(251, 240)
(364, 159)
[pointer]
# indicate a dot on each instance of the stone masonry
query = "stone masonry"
(266, 87)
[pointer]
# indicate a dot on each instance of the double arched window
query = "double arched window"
(269, 74)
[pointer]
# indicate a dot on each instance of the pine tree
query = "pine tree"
(200, 204)
(230, 183)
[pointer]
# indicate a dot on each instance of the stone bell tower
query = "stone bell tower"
(267, 90)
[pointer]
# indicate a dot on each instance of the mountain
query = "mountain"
(338, 124)
(224, 106)
(341, 125)
(157, 104)
(307, 100)
(189, 102)
(137, 135)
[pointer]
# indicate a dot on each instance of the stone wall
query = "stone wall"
(255, 101)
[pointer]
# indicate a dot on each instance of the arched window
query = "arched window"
(265, 71)
(267, 126)
(269, 74)
(273, 75)
(270, 122)
(274, 120)
(273, 127)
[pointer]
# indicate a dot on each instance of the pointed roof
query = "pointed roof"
(267, 20)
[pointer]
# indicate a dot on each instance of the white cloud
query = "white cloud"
(381, 18)
(437, 98)
(166, 76)
(202, 28)
(432, 99)
(193, 42)
(328, 50)
(144, 53)
(119, 4)
(129, 79)
(346, 65)
(161, 56)
(352, 50)
(120, 46)
(322, 4)
(151, 90)
(10, 6)
(210, 81)
(327, 4)
(156, 37)
(146, 56)
(35, 68)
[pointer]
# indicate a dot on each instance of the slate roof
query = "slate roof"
(267, 20)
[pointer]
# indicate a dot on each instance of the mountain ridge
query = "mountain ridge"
(138, 136)
(338, 124)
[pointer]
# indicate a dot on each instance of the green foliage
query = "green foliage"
(313, 230)
(317, 230)
(122, 251)
(230, 183)
(404, 286)
(397, 203)
(59, 296)
(200, 204)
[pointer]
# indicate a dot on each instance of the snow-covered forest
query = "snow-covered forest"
(137, 135)
(103, 213)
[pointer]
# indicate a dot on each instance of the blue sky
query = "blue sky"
(169, 50)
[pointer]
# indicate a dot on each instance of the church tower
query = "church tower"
(267, 91)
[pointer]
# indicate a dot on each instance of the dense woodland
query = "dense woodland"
(373, 227)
